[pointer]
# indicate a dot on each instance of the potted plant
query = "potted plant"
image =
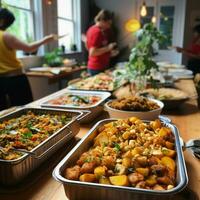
(141, 61)
(54, 58)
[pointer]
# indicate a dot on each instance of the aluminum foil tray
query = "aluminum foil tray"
(97, 191)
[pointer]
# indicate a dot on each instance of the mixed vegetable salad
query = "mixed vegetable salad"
(27, 131)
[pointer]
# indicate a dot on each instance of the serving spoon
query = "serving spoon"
(194, 145)
(17, 150)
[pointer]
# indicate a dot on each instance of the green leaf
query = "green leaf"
(54, 58)
(27, 135)
(117, 147)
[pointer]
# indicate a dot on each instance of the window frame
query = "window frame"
(37, 16)
(76, 21)
(39, 12)
(31, 11)
(178, 26)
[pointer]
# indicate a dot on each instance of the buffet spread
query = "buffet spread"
(138, 155)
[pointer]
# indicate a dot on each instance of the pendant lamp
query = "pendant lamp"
(143, 11)
(132, 25)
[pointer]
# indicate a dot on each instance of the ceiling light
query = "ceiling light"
(143, 11)
(49, 2)
(153, 19)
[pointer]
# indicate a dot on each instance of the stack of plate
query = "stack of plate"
(175, 70)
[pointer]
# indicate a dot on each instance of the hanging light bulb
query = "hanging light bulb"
(49, 2)
(153, 19)
(143, 11)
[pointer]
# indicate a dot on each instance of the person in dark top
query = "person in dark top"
(14, 86)
(193, 52)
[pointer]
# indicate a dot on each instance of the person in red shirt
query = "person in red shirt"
(193, 52)
(98, 45)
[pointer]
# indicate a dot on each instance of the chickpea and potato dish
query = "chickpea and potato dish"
(133, 103)
(129, 153)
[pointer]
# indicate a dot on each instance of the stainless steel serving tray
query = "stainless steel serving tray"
(94, 110)
(74, 86)
(13, 171)
(95, 191)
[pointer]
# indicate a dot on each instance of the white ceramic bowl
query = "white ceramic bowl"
(144, 115)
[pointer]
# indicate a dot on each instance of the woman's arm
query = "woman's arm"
(99, 51)
(187, 53)
(14, 43)
(191, 55)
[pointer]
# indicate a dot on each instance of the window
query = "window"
(148, 17)
(165, 20)
(169, 18)
(166, 24)
(68, 16)
(23, 26)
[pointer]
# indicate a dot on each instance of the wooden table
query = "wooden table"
(52, 78)
(41, 186)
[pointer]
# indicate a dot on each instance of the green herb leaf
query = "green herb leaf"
(27, 135)
(89, 159)
(117, 147)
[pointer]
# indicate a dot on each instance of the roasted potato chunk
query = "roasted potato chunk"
(88, 167)
(168, 162)
(100, 171)
(121, 180)
(158, 187)
(135, 177)
(104, 180)
(164, 180)
(143, 171)
(72, 173)
(87, 178)
(151, 180)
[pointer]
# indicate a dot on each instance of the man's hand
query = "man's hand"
(111, 46)
(179, 49)
(114, 53)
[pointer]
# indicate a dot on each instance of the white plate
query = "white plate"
(177, 66)
(164, 63)
(40, 69)
(180, 72)
(69, 62)
(183, 77)
(167, 65)
(53, 70)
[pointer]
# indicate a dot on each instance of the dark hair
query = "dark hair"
(103, 15)
(7, 17)
(197, 29)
